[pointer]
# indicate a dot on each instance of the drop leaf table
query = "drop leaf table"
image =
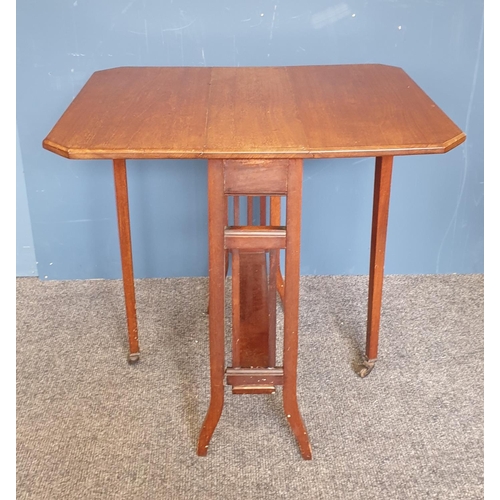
(255, 126)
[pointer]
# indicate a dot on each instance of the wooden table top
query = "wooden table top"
(252, 112)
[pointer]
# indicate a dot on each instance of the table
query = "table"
(254, 125)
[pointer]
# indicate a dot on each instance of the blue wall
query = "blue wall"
(25, 252)
(436, 217)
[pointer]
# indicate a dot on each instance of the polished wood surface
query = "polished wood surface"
(217, 215)
(259, 112)
(291, 307)
(246, 176)
(275, 220)
(253, 344)
(380, 219)
(122, 209)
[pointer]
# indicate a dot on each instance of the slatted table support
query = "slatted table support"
(254, 288)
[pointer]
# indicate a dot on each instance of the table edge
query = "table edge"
(368, 151)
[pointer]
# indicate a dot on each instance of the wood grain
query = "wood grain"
(380, 218)
(275, 220)
(291, 308)
(217, 213)
(123, 216)
(253, 346)
(261, 112)
(255, 177)
(136, 112)
(255, 237)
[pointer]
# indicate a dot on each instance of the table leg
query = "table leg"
(122, 209)
(381, 195)
(291, 308)
(253, 370)
(226, 253)
(216, 274)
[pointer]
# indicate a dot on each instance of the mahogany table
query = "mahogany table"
(255, 126)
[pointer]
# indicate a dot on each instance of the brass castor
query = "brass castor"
(368, 365)
(133, 357)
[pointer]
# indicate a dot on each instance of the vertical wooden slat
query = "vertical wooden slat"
(236, 309)
(275, 219)
(271, 294)
(236, 208)
(226, 223)
(263, 211)
(275, 205)
(271, 298)
(250, 210)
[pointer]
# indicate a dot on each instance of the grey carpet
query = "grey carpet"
(90, 426)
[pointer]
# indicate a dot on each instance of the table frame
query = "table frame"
(289, 292)
(248, 115)
(380, 216)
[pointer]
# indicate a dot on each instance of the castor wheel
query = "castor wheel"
(133, 357)
(368, 365)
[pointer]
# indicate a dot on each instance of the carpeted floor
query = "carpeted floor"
(91, 426)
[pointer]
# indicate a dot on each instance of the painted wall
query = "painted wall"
(25, 252)
(436, 217)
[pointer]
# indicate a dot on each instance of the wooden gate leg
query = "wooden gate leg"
(122, 209)
(254, 295)
(291, 307)
(381, 195)
(217, 212)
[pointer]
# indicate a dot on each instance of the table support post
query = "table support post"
(217, 210)
(291, 307)
(122, 210)
(254, 289)
(381, 195)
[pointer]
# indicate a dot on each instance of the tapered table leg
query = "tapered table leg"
(381, 195)
(216, 274)
(122, 209)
